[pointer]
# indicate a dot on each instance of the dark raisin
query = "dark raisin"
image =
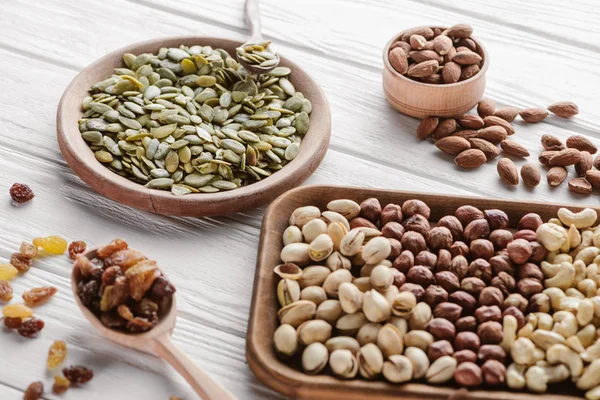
(31, 327)
(76, 248)
(146, 308)
(34, 391)
(78, 374)
(87, 292)
(110, 274)
(112, 320)
(12, 323)
(21, 193)
(20, 262)
(138, 325)
(162, 288)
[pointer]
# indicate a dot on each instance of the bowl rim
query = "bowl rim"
(120, 189)
(395, 38)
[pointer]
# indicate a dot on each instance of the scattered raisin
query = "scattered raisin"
(162, 288)
(78, 374)
(6, 292)
(8, 272)
(111, 248)
(56, 354)
(175, 398)
(21, 193)
(21, 263)
(139, 324)
(38, 296)
(110, 274)
(12, 322)
(87, 292)
(31, 327)
(75, 248)
(28, 250)
(34, 391)
(61, 384)
(51, 244)
(17, 311)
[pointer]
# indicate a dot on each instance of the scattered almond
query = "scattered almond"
(471, 158)
(556, 175)
(582, 143)
(469, 71)
(489, 149)
(460, 31)
(442, 44)
(470, 121)
(466, 57)
(493, 134)
(564, 109)
(530, 172)
(398, 60)
(491, 120)
(507, 113)
(486, 107)
(467, 133)
(508, 171)
(584, 164)
(565, 157)
(453, 145)
(514, 149)
(417, 42)
(580, 185)
(427, 127)
(550, 142)
(545, 157)
(533, 115)
(445, 128)
(423, 69)
(451, 72)
(593, 177)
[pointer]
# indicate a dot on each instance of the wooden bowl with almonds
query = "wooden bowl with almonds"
(425, 78)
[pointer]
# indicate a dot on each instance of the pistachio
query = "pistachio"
(313, 228)
(288, 271)
(285, 340)
(368, 333)
(370, 361)
(348, 208)
(352, 242)
(312, 331)
(343, 363)
(313, 275)
(342, 342)
(381, 277)
(349, 324)
(350, 298)
(314, 358)
(390, 340)
(376, 250)
(297, 312)
(337, 261)
(292, 234)
(442, 370)
(288, 291)
(329, 310)
(375, 307)
(334, 280)
(303, 215)
(397, 369)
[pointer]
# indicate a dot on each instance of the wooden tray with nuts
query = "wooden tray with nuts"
(385, 294)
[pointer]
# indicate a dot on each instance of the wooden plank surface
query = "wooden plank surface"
(541, 52)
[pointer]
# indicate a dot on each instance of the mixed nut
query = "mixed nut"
(193, 120)
(374, 291)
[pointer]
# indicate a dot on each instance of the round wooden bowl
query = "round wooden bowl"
(421, 100)
(81, 159)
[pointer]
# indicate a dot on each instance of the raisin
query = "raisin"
(125, 312)
(114, 295)
(87, 292)
(31, 327)
(28, 250)
(21, 193)
(138, 325)
(56, 354)
(38, 296)
(141, 277)
(76, 248)
(12, 322)
(86, 267)
(111, 319)
(51, 244)
(17, 311)
(175, 398)
(111, 248)
(21, 263)
(61, 384)
(110, 274)
(124, 258)
(34, 391)
(146, 308)
(162, 288)
(6, 292)
(78, 374)
(8, 272)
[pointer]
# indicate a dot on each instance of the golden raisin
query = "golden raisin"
(23, 264)
(175, 398)
(61, 384)
(34, 391)
(86, 267)
(124, 258)
(38, 296)
(52, 244)
(141, 277)
(8, 272)
(125, 312)
(56, 354)
(6, 292)
(114, 295)
(112, 247)
(76, 248)
(17, 311)
(28, 250)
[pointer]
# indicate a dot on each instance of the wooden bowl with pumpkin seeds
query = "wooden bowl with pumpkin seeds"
(102, 141)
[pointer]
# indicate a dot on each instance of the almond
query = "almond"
(435, 79)
(584, 164)
(417, 42)
(462, 48)
(467, 57)
(428, 45)
(533, 115)
(493, 134)
(507, 113)
(489, 149)
(550, 142)
(468, 43)
(530, 172)
(556, 175)
(508, 171)
(497, 121)
(460, 31)
(486, 107)
(597, 162)
(565, 157)
(580, 185)
(453, 145)
(545, 157)
(470, 121)
(450, 55)
(467, 133)
(451, 72)
(471, 158)
(581, 143)
(593, 177)
(423, 69)
(442, 44)
(398, 60)
(514, 149)
(468, 71)
(425, 55)
(564, 109)
(445, 128)
(427, 127)
(403, 45)
(424, 31)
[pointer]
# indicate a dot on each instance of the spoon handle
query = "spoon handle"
(253, 17)
(200, 381)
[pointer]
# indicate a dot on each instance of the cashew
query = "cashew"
(526, 331)
(583, 219)
(564, 323)
(539, 354)
(555, 294)
(563, 257)
(587, 237)
(569, 303)
(590, 377)
(559, 353)
(555, 373)
(572, 292)
(545, 321)
(596, 237)
(585, 312)
(510, 332)
(580, 275)
(596, 260)
(536, 379)
(596, 302)
(563, 277)
(593, 394)
(551, 256)
(575, 344)
(587, 335)
(545, 339)
(550, 270)
(551, 236)
(588, 287)
(555, 221)
(566, 246)
(532, 319)
(574, 236)
(522, 351)
(591, 353)
(588, 255)
(515, 376)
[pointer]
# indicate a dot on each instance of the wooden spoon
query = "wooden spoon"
(253, 18)
(157, 341)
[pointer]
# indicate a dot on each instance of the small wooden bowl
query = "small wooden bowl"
(421, 100)
(81, 159)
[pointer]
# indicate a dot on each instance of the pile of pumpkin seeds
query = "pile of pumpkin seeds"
(258, 54)
(192, 119)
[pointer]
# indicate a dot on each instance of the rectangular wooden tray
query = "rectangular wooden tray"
(263, 313)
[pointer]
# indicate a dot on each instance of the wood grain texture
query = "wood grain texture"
(339, 43)
(263, 318)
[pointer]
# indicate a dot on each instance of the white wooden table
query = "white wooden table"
(541, 52)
